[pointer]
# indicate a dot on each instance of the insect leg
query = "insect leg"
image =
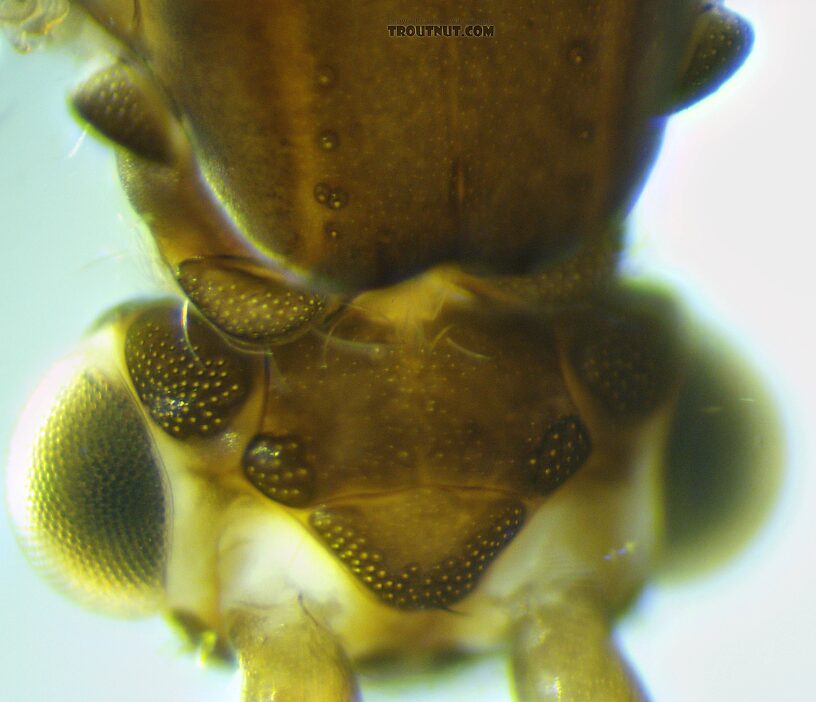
(286, 655)
(563, 651)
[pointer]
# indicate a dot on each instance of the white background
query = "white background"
(727, 214)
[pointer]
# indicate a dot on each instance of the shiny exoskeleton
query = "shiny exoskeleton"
(403, 404)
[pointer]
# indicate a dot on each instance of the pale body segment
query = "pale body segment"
(405, 407)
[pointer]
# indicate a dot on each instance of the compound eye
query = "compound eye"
(87, 494)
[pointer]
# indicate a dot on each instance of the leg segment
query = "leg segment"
(562, 651)
(287, 656)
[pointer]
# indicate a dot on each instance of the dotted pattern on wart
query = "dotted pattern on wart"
(370, 542)
(189, 379)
